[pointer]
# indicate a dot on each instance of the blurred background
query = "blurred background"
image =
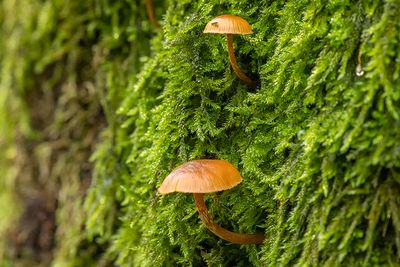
(54, 60)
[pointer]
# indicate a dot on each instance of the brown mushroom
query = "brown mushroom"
(150, 13)
(230, 24)
(207, 176)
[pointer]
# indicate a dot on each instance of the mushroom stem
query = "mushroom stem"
(150, 13)
(234, 64)
(232, 237)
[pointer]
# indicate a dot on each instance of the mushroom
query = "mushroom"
(207, 176)
(230, 25)
(150, 13)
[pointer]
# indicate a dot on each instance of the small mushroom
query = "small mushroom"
(207, 176)
(230, 25)
(150, 13)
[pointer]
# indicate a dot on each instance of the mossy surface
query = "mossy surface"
(317, 140)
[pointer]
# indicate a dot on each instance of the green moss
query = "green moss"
(316, 144)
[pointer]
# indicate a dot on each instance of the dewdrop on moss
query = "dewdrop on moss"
(359, 70)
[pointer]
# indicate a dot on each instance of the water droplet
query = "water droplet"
(301, 133)
(121, 110)
(359, 70)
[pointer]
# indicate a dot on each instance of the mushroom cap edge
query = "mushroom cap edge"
(228, 24)
(201, 176)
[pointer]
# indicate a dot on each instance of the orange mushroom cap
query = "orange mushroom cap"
(201, 176)
(228, 24)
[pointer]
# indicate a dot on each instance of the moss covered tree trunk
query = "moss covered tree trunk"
(317, 140)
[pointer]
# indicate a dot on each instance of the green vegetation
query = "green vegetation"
(318, 145)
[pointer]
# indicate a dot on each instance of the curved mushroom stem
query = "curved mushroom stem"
(232, 60)
(232, 237)
(150, 13)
